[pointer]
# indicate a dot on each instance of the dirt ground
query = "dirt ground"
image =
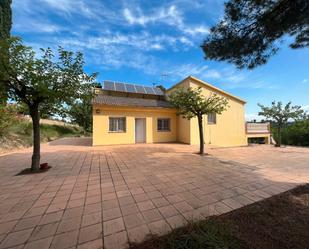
(279, 222)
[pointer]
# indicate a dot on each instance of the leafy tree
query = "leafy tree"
(281, 115)
(80, 111)
(5, 18)
(5, 29)
(250, 30)
(192, 103)
(296, 133)
(7, 118)
(44, 84)
(161, 87)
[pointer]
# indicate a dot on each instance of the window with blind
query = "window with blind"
(164, 124)
(117, 124)
(211, 118)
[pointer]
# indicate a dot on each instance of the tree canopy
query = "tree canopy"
(46, 84)
(80, 111)
(5, 29)
(281, 114)
(251, 30)
(5, 18)
(192, 103)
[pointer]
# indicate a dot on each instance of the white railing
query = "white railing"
(255, 128)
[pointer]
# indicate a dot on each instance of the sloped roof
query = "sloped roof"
(128, 101)
(215, 89)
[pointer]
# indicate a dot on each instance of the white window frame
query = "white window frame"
(117, 128)
(211, 118)
(164, 128)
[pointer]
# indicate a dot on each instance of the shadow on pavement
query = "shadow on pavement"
(74, 141)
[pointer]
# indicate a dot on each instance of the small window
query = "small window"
(117, 124)
(164, 124)
(211, 118)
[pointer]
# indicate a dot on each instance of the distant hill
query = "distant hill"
(19, 135)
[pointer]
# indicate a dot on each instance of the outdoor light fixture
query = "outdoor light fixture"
(97, 111)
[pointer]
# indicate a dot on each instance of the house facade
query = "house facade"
(128, 114)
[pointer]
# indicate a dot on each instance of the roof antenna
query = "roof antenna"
(164, 77)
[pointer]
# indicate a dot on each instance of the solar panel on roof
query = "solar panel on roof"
(109, 85)
(140, 89)
(120, 87)
(130, 88)
(149, 90)
(158, 91)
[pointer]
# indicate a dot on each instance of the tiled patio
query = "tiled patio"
(106, 196)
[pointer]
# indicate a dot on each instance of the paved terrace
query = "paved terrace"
(106, 196)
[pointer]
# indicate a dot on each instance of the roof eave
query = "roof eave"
(209, 85)
(134, 106)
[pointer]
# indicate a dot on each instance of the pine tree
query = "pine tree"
(5, 18)
(5, 29)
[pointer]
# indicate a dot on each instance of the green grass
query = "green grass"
(206, 234)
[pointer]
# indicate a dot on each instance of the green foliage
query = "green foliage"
(161, 87)
(7, 118)
(80, 111)
(208, 234)
(281, 115)
(296, 133)
(192, 103)
(21, 130)
(46, 84)
(5, 29)
(249, 32)
(52, 132)
(49, 81)
(5, 18)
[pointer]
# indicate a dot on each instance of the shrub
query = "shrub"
(7, 118)
(296, 133)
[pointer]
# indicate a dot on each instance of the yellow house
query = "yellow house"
(128, 114)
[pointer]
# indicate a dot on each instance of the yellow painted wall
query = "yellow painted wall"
(183, 125)
(183, 130)
(102, 136)
(229, 129)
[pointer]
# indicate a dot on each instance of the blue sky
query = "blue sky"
(157, 42)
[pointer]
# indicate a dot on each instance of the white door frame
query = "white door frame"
(143, 130)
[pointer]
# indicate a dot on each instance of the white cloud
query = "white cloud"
(140, 41)
(186, 70)
(196, 30)
(226, 78)
(102, 33)
(304, 81)
(305, 107)
(201, 71)
(37, 27)
(167, 15)
(68, 7)
(212, 73)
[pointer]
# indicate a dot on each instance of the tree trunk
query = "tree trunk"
(200, 126)
(34, 113)
(84, 127)
(279, 136)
